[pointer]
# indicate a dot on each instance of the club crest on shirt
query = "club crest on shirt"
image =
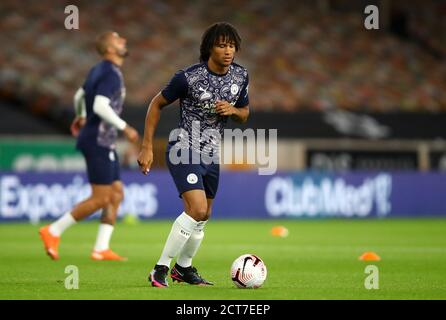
(234, 89)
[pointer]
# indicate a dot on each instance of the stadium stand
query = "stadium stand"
(295, 64)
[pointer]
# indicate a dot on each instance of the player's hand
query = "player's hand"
(145, 160)
(224, 108)
(76, 125)
(131, 134)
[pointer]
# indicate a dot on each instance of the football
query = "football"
(248, 271)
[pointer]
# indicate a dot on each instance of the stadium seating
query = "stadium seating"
(299, 56)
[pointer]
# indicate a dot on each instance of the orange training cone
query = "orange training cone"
(369, 256)
(279, 231)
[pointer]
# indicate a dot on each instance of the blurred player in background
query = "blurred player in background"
(209, 92)
(98, 104)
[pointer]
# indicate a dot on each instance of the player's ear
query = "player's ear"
(110, 48)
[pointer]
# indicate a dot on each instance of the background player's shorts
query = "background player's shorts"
(102, 164)
(194, 176)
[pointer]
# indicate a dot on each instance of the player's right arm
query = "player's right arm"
(145, 157)
(175, 89)
(80, 111)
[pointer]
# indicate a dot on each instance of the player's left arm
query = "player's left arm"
(238, 114)
(239, 111)
(241, 114)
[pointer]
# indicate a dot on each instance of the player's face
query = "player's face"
(223, 52)
(119, 45)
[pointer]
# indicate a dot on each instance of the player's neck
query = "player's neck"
(215, 68)
(114, 59)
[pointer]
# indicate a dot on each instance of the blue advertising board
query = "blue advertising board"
(241, 195)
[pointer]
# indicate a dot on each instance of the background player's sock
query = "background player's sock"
(191, 247)
(181, 231)
(104, 235)
(60, 225)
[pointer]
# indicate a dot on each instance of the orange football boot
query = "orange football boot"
(107, 255)
(50, 242)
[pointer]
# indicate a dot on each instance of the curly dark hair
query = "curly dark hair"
(213, 34)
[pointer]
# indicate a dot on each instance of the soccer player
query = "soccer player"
(209, 92)
(98, 104)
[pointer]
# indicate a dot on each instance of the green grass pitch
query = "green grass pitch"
(318, 260)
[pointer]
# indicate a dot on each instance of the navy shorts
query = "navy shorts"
(194, 176)
(102, 164)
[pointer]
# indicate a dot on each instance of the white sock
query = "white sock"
(104, 235)
(61, 224)
(181, 231)
(191, 247)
